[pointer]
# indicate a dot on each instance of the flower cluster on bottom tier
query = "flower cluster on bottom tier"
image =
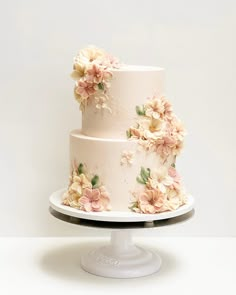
(104, 177)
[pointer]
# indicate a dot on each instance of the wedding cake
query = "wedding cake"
(123, 158)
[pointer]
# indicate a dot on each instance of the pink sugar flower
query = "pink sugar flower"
(168, 110)
(95, 74)
(95, 200)
(174, 174)
(178, 129)
(111, 62)
(151, 201)
(176, 185)
(164, 146)
(85, 89)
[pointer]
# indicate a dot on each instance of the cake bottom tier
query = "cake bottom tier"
(111, 174)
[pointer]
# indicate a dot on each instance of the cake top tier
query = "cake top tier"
(108, 91)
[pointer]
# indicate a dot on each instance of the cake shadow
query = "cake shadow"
(63, 262)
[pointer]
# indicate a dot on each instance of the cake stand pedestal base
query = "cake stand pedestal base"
(121, 258)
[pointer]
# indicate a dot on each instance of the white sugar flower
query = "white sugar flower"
(127, 158)
(160, 179)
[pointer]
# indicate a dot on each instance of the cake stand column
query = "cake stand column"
(121, 258)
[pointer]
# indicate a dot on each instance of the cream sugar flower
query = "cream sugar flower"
(127, 158)
(91, 54)
(158, 108)
(71, 199)
(154, 108)
(80, 182)
(177, 129)
(160, 179)
(150, 127)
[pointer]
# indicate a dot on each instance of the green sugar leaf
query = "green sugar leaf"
(94, 181)
(140, 111)
(145, 174)
(128, 133)
(101, 86)
(134, 205)
(140, 180)
(173, 165)
(80, 169)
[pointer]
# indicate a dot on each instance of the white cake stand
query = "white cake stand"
(121, 258)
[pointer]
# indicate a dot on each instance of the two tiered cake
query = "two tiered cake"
(123, 158)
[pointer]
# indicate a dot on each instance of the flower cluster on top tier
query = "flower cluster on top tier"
(92, 74)
(85, 192)
(158, 128)
(162, 191)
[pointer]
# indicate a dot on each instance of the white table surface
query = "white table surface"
(190, 266)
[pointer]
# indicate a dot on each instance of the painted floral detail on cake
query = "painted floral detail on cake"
(127, 158)
(92, 75)
(85, 192)
(157, 128)
(161, 190)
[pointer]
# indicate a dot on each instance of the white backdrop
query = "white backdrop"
(193, 40)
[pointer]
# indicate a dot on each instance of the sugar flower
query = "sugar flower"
(158, 128)
(151, 201)
(94, 200)
(92, 75)
(85, 191)
(154, 108)
(161, 191)
(71, 199)
(127, 158)
(90, 54)
(164, 146)
(160, 179)
(80, 182)
(95, 74)
(85, 89)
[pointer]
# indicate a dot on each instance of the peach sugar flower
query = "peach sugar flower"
(94, 200)
(150, 202)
